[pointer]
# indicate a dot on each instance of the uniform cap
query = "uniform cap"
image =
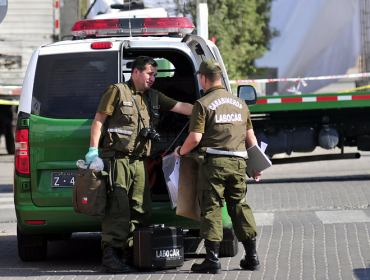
(209, 66)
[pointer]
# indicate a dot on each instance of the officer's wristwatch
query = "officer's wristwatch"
(178, 151)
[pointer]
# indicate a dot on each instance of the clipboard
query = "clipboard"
(257, 160)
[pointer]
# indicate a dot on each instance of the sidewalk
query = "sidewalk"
(313, 221)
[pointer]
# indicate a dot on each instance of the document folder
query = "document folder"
(257, 160)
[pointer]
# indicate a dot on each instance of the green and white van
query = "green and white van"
(62, 88)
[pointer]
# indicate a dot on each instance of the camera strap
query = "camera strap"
(150, 111)
(138, 110)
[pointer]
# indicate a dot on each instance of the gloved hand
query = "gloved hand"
(93, 153)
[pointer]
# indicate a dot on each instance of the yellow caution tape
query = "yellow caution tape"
(9, 102)
(355, 89)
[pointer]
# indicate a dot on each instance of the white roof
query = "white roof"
(141, 13)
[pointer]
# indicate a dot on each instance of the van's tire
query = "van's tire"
(31, 247)
(229, 248)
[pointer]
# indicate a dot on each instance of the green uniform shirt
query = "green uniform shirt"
(198, 117)
(111, 97)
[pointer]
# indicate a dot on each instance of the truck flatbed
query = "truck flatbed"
(268, 104)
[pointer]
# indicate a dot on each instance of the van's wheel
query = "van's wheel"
(31, 247)
(229, 248)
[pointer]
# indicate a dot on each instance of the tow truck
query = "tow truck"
(300, 123)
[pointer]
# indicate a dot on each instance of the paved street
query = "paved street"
(313, 221)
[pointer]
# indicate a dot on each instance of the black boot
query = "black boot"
(211, 264)
(250, 261)
(112, 263)
(128, 256)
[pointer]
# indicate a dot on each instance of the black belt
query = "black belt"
(119, 155)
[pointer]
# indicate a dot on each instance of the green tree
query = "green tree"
(241, 29)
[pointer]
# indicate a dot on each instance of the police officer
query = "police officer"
(126, 111)
(219, 127)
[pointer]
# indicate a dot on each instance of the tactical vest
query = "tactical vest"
(122, 129)
(225, 123)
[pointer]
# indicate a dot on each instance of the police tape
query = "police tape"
(345, 76)
(11, 90)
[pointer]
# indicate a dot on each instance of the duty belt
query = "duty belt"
(119, 155)
(243, 154)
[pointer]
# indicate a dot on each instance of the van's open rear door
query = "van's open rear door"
(203, 49)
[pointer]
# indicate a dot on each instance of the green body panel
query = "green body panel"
(57, 220)
(293, 102)
(55, 146)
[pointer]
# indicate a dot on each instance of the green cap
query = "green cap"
(209, 66)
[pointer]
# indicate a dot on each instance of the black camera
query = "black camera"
(150, 133)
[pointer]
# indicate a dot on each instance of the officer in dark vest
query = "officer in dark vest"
(126, 111)
(220, 127)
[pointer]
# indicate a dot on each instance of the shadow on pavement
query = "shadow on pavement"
(79, 255)
(362, 273)
(313, 179)
(6, 188)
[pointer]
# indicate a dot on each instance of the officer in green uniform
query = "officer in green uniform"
(220, 125)
(126, 111)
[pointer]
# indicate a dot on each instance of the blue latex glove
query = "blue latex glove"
(93, 153)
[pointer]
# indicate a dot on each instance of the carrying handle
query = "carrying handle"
(157, 226)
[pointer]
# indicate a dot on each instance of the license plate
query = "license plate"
(63, 179)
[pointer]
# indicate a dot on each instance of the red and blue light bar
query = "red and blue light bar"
(133, 27)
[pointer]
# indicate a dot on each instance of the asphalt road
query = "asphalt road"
(313, 221)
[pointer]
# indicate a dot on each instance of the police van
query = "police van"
(62, 88)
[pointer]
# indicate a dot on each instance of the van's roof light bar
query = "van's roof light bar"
(178, 26)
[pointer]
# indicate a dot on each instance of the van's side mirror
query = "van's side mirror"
(248, 94)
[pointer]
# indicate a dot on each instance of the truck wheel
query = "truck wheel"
(31, 247)
(229, 248)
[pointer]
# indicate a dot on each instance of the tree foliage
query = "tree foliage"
(241, 29)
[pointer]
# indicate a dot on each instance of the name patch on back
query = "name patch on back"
(221, 118)
(224, 100)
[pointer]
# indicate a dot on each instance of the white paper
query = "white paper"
(171, 171)
(263, 146)
(175, 175)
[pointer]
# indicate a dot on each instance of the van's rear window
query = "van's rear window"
(70, 86)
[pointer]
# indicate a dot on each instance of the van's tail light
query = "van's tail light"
(22, 152)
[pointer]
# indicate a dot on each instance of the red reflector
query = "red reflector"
(101, 45)
(35, 222)
(22, 159)
(327, 98)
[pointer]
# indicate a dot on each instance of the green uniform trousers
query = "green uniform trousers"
(222, 178)
(129, 205)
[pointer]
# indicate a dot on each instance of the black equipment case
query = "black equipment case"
(158, 247)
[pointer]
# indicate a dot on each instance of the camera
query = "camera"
(150, 133)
